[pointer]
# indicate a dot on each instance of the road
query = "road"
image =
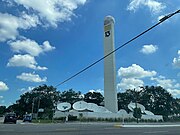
(84, 129)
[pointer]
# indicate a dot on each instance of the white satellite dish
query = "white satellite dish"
(141, 107)
(80, 106)
(74, 111)
(65, 106)
(122, 112)
(92, 107)
(101, 109)
(148, 112)
(132, 106)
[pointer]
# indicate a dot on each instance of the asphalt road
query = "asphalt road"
(83, 129)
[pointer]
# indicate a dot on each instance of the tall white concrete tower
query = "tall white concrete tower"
(110, 92)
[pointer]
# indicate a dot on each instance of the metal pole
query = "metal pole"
(123, 119)
(38, 109)
(32, 107)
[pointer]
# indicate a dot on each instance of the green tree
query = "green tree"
(137, 113)
(2, 110)
(94, 97)
(28, 102)
(126, 97)
(157, 100)
(70, 96)
(176, 105)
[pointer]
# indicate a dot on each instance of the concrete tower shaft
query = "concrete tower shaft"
(110, 92)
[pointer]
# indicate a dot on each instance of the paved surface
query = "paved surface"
(85, 129)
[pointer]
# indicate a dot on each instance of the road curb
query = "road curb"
(118, 126)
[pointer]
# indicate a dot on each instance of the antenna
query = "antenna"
(65, 106)
(80, 105)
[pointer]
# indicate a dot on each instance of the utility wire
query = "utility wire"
(134, 38)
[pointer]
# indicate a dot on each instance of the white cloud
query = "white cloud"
(135, 71)
(30, 46)
(162, 81)
(10, 24)
(169, 84)
(154, 5)
(31, 77)
(1, 97)
(176, 61)
(27, 21)
(129, 83)
(53, 11)
(8, 27)
(98, 90)
(174, 92)
(3, 86)
(46, 47)
(24, 90)
(149, 49)
(24, 61)
(131, 77)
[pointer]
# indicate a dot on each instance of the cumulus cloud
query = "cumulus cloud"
(37, 13)
(3, 86)
(149, 49)
(169, 84)
(10, 24)
(24, 90)
(27, 21)
(53, 11)
(1, 97)
(162, 81)
(176, 61)
(31, 77)
(24, 61)
(174, 92)
(30, 46)
(153, 5)
(131, 77)
(129, 83)
(98, 90)
(135, 71)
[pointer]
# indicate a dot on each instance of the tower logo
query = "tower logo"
(107, 33)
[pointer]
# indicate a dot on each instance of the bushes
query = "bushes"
(173, 119)
(72, 118)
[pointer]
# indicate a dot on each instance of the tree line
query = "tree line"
(155, 99)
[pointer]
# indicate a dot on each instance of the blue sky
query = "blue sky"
(46, 41)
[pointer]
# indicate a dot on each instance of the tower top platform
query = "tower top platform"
(109, 19)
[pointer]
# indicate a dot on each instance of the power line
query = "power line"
(134, 38)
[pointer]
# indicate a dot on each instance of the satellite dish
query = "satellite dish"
(74, 111)
(92, 107)
(141, 107)
(148, 112)
(65, 106)
(122, 112)
(132, 106)
(80, 106)
(102, 109)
